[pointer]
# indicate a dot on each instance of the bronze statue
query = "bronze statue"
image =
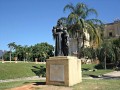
(61, 39)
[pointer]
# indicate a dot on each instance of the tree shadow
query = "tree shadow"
(39, 71)
(94, 76)
(85, 69)
(39, 83)
(36, 67)
(36, 83)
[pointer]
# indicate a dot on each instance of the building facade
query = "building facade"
(112, 30)
(73, 43)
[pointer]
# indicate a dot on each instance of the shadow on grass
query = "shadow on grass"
(39, 83)
(39, 71)
(36, 67)
(36, 83)
(93, 76)
(85, 69)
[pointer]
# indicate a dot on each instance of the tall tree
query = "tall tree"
(18, 52)
(42, 51)
(12, 46)
(106, 53)
(78, 21)
(116, 48)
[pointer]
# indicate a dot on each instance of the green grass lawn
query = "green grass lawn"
(97, 72)
(8, 85)
(98, 85)
(91, 84)
(89, 66)
(18, 70)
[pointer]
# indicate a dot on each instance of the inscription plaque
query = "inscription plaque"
(57, 73)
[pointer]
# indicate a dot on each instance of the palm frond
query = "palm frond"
(91, 11)
(72, 18)
(69, 7)
(81, 9)
(95, 21)
(93, 32)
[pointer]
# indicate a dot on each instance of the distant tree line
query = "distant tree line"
(40, 51)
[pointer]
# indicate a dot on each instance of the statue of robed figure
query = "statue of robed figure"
(61, 39)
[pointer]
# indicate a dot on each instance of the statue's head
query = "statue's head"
(59, 22)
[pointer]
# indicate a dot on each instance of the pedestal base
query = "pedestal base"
(63, 70)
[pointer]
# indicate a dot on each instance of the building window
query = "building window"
(110, 34)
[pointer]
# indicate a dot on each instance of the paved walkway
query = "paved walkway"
(111, 75)
(114, 74)
(23, 79)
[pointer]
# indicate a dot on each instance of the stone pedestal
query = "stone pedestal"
(63, 70)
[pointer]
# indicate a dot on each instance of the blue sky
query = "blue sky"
(28, 22)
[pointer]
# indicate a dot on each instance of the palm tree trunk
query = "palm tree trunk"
(105, 59)
(24, 59)
(83, 44)
(78, 51)
(78, 44)
(10, 56)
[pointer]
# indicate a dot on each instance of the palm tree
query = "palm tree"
(106, 53)
(12, 46)
(25, 53)
(116, 48)
(18, 52)
(78, 22)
